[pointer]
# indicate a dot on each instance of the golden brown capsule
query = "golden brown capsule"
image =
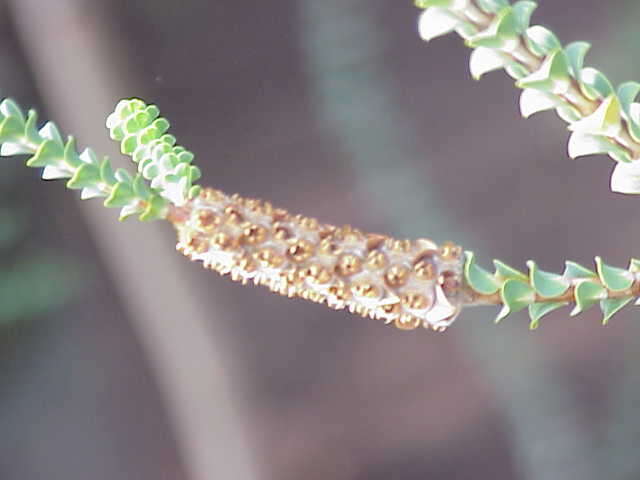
(399, 281)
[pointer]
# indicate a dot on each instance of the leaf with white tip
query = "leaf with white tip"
(634, 121)
(581, 144)
(516, 295)
(614, 278)
(501, 33)
(611, 306)
(595, 84)
(539, 310)
(479, 279)
(626, 178)
(546, 284)
(516, 71)
(568, 113)
(51, 132)
(52, 172)
(627, 93)
(455, 4)
(541, 40)
(435, 22)
(485, 60)
(634, 265)
(534, 101)
(492, 6)
(552, 76)
(9, 149)
(91, 192)
(505, 272)
(522, 11)
(129, 210)
(604, 121)
(574, 270)
(587, 293)
(441, 310)
(576, 52)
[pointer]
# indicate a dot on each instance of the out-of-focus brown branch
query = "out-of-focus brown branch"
(79, 64)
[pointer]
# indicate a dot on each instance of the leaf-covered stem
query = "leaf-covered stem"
(142, 135)
(95, 177)
(542, 292)
(602, 119)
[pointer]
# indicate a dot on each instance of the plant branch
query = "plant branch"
(602, 119)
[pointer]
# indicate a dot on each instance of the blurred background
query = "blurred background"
(121, 360)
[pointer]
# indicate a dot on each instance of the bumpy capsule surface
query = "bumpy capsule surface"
(402, 282)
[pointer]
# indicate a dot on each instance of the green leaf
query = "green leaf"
(627, 93)
(594, 84)
(614, 278)
(121, 196)
(156, 209)
(434, 3)
(49, 153)
(86, 175)
(541, 41)
(70, 154)
(484, 60)
(634, 265)
(546, 284)
(505, 272)
(478, 278)
(516, 295)
(626, 178)
(552, 76)
(575, 53)
(568, 113)
(123, 176)
(539, 310)
(194, 173)
(605, 120)
(435, 22)
(194, 191)
(54, 172)
(574, 270)
(92, 192)
(522, 11)
(534, 101)
(30, 131)
(49, 131)
(129, 210)
(581, 144)
(11, 129)
(129, 144)
(107, 174)
(587, 293)
(492, 6)
(611, 306)
(140, 188)
(9, 108)
(503, 28)
(516, 71)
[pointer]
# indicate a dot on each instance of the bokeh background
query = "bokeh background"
(337, 109)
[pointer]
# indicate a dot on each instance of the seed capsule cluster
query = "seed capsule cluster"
(407, 283)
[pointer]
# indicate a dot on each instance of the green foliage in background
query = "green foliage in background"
(32, 281)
